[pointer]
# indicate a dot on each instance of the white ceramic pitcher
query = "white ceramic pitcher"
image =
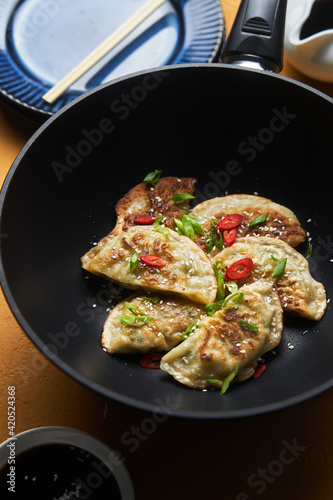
(313, 55)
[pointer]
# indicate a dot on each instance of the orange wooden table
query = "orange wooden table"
(285, 454)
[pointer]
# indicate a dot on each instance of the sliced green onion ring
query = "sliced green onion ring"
(126, 319)
(137, 318)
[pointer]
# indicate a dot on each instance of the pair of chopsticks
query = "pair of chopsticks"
(97, 54)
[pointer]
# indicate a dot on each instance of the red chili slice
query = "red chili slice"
(145, 219)
(239, 269)
(259, 371)
(229, 222)
(151, 360)
(230, 236)
(153, 260)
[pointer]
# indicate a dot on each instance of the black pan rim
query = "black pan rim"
(84, 380)
(148, 408)
(175, 67)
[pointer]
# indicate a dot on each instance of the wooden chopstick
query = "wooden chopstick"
(97, 54)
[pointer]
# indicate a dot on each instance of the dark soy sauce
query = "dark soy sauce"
(60, 472)
(320, 19)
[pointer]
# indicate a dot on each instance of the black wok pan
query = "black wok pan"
(237, 130)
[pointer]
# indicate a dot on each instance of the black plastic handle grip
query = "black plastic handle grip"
(257, 34)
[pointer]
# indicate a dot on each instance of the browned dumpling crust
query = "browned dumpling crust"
(156, 200)
(186, 271)
(148, 199)
(144, 323)
(226, 342)
(281, 222)
(299, 292)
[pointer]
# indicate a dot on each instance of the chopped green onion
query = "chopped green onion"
(179, 224)
(231, 286)
(160, 227)
(220, 280)
(196, 224)
(154, 300)
(134, 309)
(188, 227)
(152, 177)
(228, 380)
(279, 268)
(209, 243)
(211, 240)
(215, 232)
(233, 298)
(191, 329)
(259, 220)
(126, 319)
(134, 261)
(213, 381)
(309, 252)
(211, 307)
(180, 197)
(251, 327)
(137, 318)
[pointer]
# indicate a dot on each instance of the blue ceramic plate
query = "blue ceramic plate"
(42, 40)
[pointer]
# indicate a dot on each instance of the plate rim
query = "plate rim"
(44, 112)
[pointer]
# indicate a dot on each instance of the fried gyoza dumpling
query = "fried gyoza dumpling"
(148, 199)
(142, 323)
(231, 340)
(165, 262)
(298, 291)
(281, 222)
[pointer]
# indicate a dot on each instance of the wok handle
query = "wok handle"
(257, 35)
